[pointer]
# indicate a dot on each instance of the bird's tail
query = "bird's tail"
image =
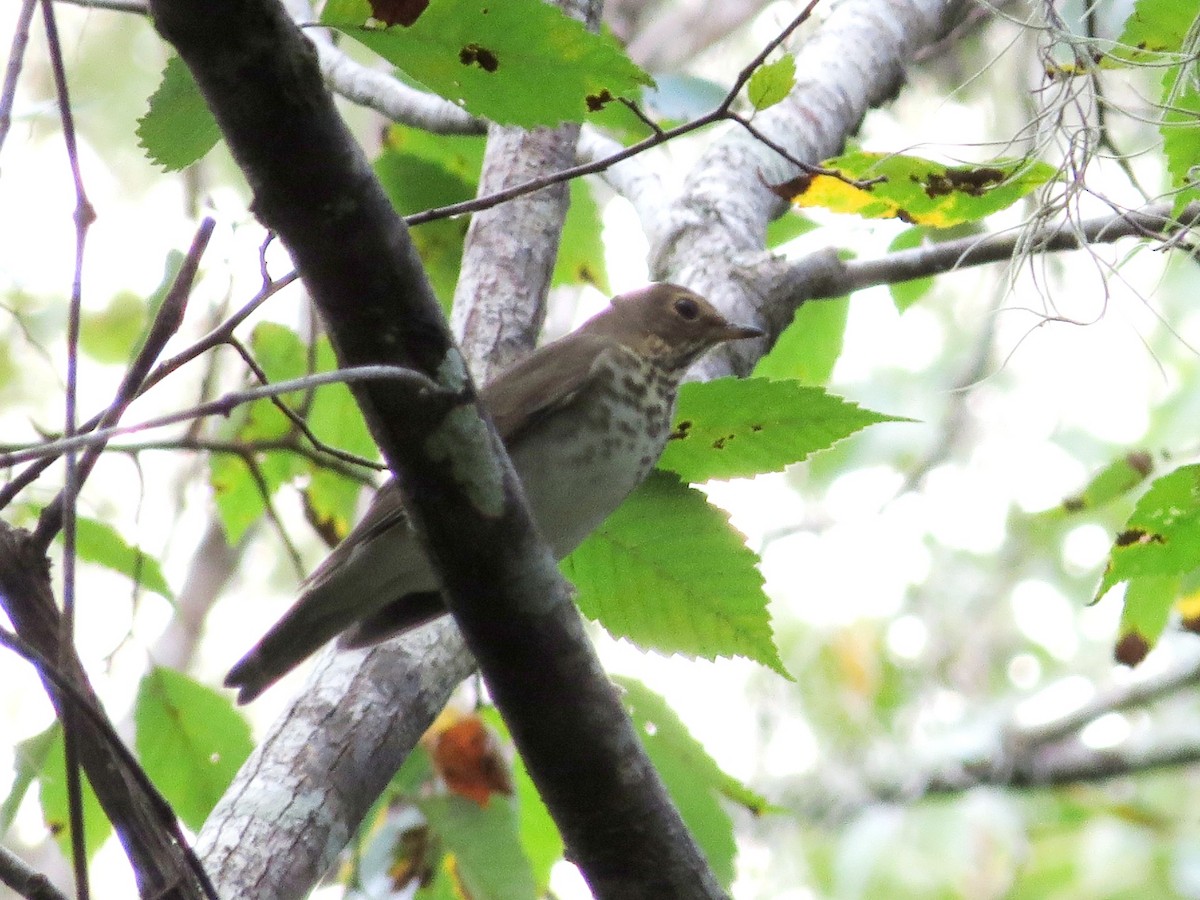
(317, 616)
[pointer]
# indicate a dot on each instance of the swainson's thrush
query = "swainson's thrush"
(584, 420)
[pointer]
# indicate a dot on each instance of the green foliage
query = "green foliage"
(580, 250)
(920, 191)
(1148, 602)
(736, 428)
(333, 416)
(485, 844)
(52, 788)
(809, 347)
(1115, 480)
(29, 760)
(1162, 536)
(178, 128)
(771, 82)
(906, 293)
(668, 572)
(112, 334)
(190, 740)
(521, 62)
(100, 543)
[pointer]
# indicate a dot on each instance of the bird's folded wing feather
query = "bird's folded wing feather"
(543, 383)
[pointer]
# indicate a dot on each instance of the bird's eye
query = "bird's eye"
(687, 308)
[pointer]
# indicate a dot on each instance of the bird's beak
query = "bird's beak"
(740, 332)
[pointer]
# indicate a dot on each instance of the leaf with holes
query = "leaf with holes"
(738, 427)
(516, 62)
(915, 190)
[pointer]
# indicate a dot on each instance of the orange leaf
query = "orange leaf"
(467, 757)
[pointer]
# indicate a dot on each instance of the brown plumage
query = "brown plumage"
(584, 419)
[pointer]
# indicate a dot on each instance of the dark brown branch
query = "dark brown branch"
(144, 822)
(25, 881)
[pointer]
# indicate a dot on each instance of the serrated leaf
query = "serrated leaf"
(1148, 602)
(484, 841)
(190, 740)
(668, 572)
(1154, 27)
(100, 543)
(580, 249)
(520, 62)
(1162, 536)
(735, 428)
(771, 82)
(1180, 134)
(809, 347)
(916, 190)
(177, 129)
(52, 791)
(692, 777)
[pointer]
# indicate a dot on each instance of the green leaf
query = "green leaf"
(420, 171)
(693, 778)
(1115, 480)
(240, 499)
(178, 128)
(100, 543)
(788, 226)
(520, 62)
(919, 191)
(772, 82)
(190, 740)
(906, 293)
(1162, 536)
(580, 250)
(668, 572)
(29, 760)
(336, 419)
(1180, 133)
(738, 427)
(1154, 27)
(809, 348)
(484, 841)
(1148, 602)
(52, 792)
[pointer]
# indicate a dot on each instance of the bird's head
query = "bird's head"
(669, 324)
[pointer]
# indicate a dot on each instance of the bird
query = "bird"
(584, 420)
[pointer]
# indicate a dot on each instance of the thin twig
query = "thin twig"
(223, 406)
(214, 338)
(294, 417)
(16, 56)
(84, 216)
(166, 324)
(27, 882)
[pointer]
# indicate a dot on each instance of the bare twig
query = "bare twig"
(30, 884)
(418, 384)
(12, 71)
(214, 338)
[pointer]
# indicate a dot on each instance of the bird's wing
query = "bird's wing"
(542, 383)
(385, 512)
